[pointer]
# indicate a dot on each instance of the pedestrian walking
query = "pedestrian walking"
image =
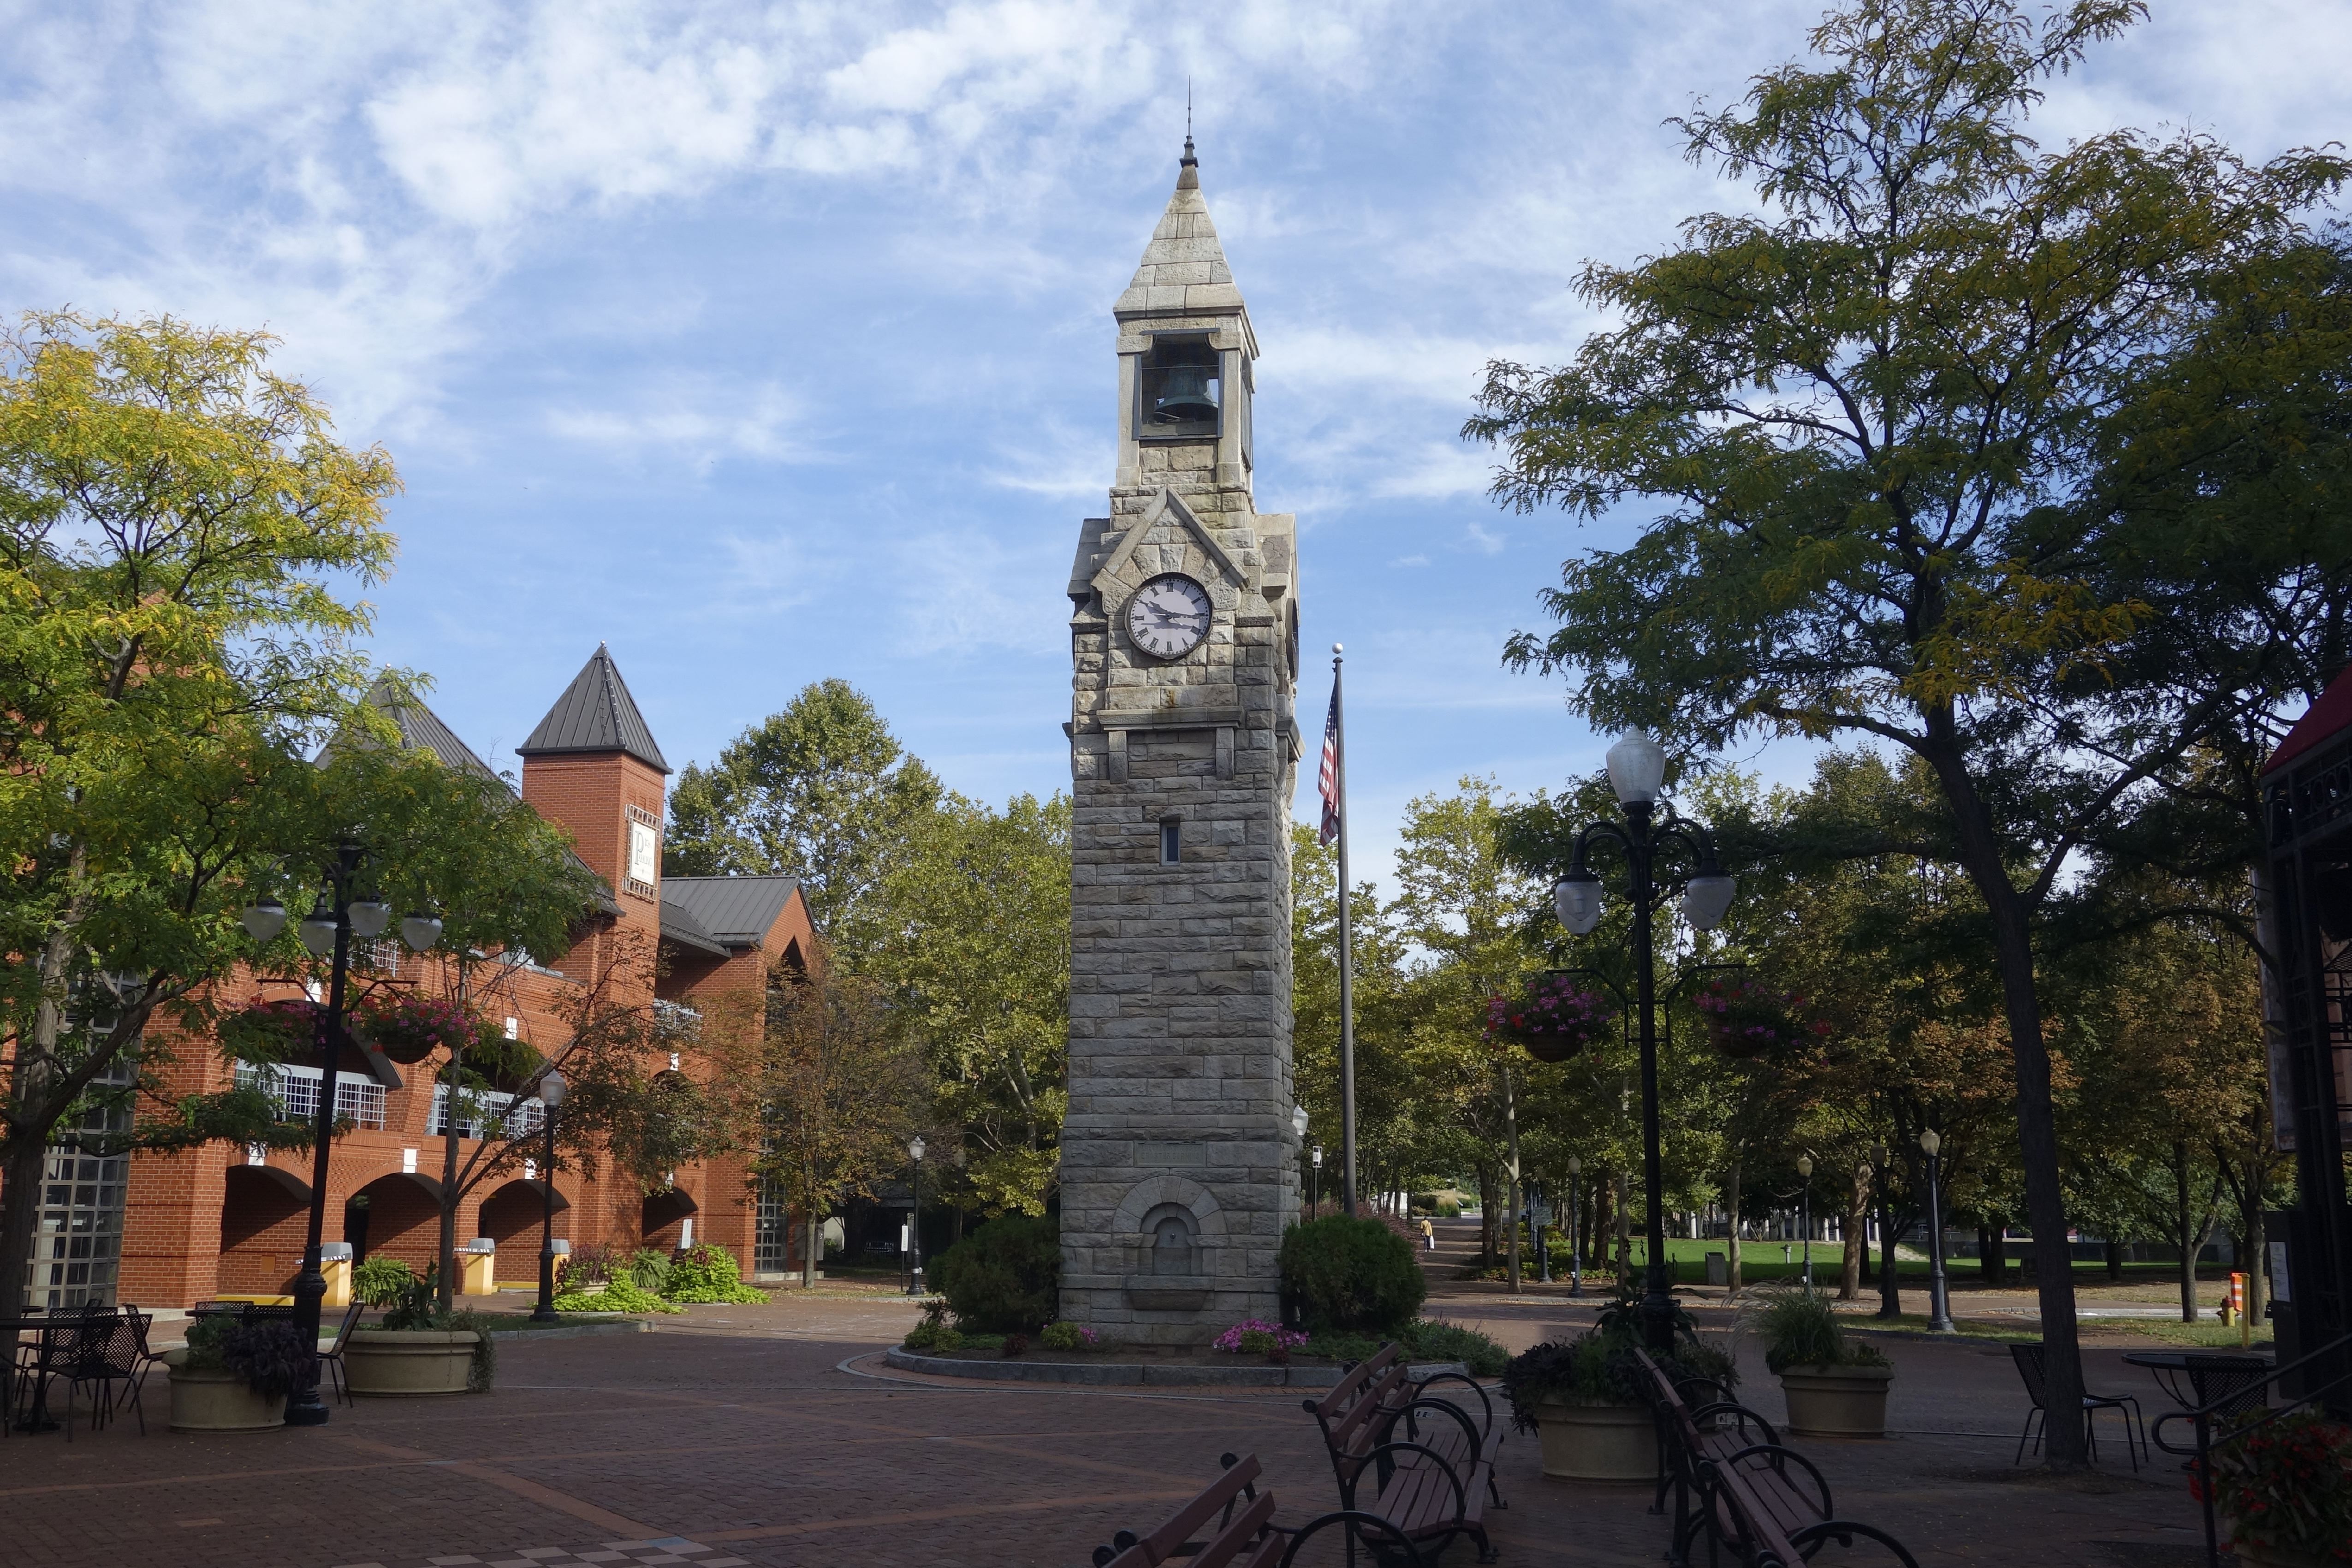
(1428, 1235)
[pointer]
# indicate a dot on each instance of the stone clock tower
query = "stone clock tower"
(1180, 1166)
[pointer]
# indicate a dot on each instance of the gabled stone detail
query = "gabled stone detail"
(1168, 507)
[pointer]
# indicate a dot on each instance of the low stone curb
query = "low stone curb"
(575, 1331)
(1022, 1370)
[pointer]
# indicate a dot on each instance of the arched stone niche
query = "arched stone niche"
(1173, 1227)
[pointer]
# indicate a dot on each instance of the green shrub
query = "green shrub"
(709, 1274)
(1349, 1273)
(932, 1333)
(267, 1352)
(1597, 1367)
(1066, 1336)
(1798, 1328)
(1434, 1339)
(617, 1295)
(1004, 1277)
(379, 1281)
(649, 1269)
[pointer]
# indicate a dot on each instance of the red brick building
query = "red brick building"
(171, 1229)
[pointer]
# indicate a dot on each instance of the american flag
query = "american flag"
(1329, 784)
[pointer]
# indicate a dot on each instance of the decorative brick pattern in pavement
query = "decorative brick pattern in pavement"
(734, 1430)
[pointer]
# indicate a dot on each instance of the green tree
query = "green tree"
(974, 949)
(1860, 410)
(820, 791)
(839, 1091)
(1389, 1134)
(171, 515)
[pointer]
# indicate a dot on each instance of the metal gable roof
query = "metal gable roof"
(679, 925)
(737, 910)
(595, 713)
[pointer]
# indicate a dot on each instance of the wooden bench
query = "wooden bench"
(1239, 1519)
(1430, 1484)
(1763, 1501)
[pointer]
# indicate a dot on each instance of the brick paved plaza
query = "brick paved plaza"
(755, 1434)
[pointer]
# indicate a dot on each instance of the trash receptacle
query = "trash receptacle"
(1718, 1272)
(335, 1263)
(479, 1260)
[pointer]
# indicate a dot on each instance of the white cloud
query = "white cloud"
(697, 418)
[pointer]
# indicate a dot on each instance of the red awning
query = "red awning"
(2329, 717)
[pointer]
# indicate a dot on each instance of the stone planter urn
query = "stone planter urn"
(1837, 1401)
(211, 1400)
(1597, 1442)
(2255, 1554)
(403, 1361)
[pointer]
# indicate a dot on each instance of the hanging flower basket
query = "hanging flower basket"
(503, 1064)
(408, 1027)
(1747, 1018)
(1552, 1019)
(291, 1030)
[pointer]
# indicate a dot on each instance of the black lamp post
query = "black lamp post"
(1575, 1234)
(551, 1096)
(915, 1223)
(1637, 770)
(1939, 1300)
(1805, 1215)
(333, 921)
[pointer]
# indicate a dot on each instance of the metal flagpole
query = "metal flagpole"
(1335, 825)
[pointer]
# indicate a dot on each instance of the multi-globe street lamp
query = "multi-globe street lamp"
(1805, 1215)
(1637, 773)
(336, 917)
(1939, 1300)
(551, 1096)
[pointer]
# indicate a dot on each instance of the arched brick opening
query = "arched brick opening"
(404, 1219)
(265, 1219)
(511, 1216)
(662, 1221)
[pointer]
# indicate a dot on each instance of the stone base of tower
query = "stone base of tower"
(1172, 1244)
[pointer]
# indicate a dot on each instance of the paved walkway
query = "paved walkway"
(771, 1435)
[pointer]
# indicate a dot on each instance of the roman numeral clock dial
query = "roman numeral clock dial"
(1168, 616)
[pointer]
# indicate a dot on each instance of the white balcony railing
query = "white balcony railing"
(295, 1091)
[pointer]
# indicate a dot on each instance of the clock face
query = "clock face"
(1168, 616)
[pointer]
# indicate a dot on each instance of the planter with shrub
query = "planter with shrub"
(235, 1376)
(1350, 1275)
(1836, 1386)
(1004, 1277)
(2285, 1490)
(417, 1349)
(1583, 1397)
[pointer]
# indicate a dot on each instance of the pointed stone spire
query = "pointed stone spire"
(595, 713)
(1183, 270)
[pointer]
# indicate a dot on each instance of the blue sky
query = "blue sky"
(768, 343)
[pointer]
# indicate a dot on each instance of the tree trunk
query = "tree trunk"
(27, 1157)
(1856, 1222)
(1624, 1235)
(1992, 1254)
(2182, 1228)
(1511, 1128)
(1731, 1237)
(816, 1248)
(2037, 1120)
(1485, 1217)
(2252, 1263)
(2114, 1261)
(1890, 1286)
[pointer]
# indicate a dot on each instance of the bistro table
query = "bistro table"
(36, 1416)
(2209, 1375)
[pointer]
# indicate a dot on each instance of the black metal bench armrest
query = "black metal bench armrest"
(1356, 1518)
(1780, 1456)
(1461, 1494)
(1470, 1432)
(1421, 1390)
(1745, 1416)
(1843, 1531)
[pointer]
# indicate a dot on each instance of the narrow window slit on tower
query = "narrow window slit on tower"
(1171, 841)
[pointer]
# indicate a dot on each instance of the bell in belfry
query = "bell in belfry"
(1186, 395)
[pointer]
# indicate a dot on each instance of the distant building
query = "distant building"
(171, 1229)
